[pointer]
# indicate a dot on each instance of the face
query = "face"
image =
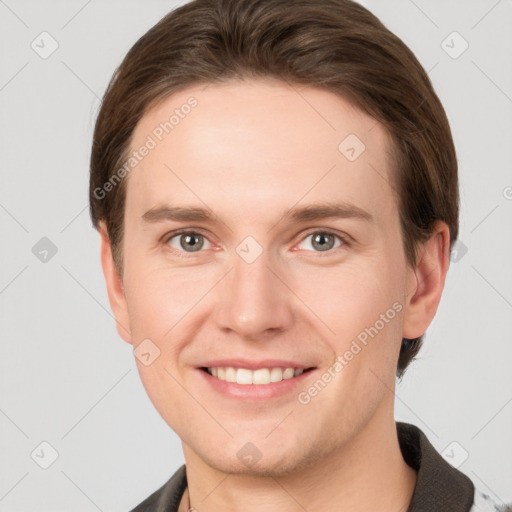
(260, 234)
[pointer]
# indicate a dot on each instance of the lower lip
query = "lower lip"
(255, 391)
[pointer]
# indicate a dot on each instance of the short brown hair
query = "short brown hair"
(336, 45)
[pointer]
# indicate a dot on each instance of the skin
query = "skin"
(250, 151)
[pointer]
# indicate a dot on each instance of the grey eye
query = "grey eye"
(323, 241)
(189, 242)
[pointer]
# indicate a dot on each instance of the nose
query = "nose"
(253, 300)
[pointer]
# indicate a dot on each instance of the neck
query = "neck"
(367, 473)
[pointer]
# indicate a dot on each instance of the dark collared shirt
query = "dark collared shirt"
(439, 486)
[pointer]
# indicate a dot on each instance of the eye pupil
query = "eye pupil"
(320, 239)
(195, 242)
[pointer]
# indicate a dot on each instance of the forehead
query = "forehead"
(248, 146)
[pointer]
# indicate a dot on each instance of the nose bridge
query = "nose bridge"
(253, 300)
(251, 280)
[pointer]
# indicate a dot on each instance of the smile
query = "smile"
(261, 376)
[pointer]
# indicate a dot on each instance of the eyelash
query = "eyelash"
(169, 236)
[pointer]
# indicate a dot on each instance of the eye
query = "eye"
(188, 241)
(323, 241)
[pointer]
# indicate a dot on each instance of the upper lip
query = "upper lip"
(254, 365)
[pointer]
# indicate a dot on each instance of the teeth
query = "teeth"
(231, 375)
(243, 376)
(259, 377)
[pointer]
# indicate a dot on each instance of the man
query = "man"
(276, 219)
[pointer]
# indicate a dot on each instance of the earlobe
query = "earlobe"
(115, 288)
(428, 276)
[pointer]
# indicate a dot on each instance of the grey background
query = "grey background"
(68, 379)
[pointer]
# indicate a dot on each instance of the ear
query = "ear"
(115, 287)
(426, 282)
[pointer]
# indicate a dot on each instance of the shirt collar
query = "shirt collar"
(439, 486)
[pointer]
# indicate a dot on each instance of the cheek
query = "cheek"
(359, 310)
(158, 298)
(159, 304)
(348, 298)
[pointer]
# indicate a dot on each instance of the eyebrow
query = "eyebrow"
(326, 211)
(165, 213)
(306, 213)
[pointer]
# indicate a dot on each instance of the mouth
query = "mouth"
(257, 377)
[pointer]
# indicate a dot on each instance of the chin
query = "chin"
(248, 459)
(268, 468)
